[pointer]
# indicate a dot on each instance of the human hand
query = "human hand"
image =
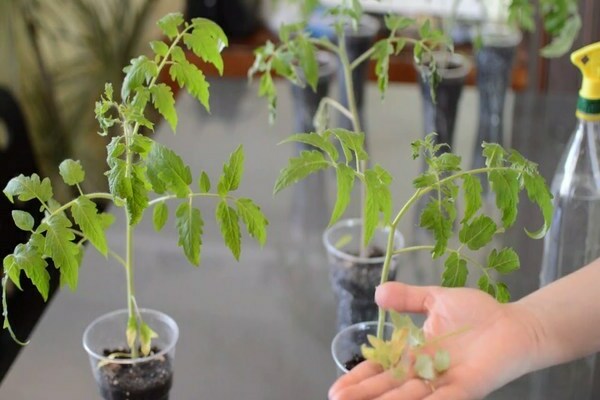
(499, 345)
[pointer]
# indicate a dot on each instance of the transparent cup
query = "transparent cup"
(143, 378)
(346, 345)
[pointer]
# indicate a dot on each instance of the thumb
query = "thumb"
(405, 298)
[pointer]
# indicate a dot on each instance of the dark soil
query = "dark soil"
(354, 361)
(151, 380)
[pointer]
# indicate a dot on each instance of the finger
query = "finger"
(405, 298)
(368, 389)
(413, 389)
(449, 392)
(359, 373)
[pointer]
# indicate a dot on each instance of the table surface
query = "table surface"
(260, 329)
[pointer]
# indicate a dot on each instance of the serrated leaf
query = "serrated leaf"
(538, 192)
(139, 71)
(424, 367)
(23, 220)
(169, 24)
(72, 172)
(34, 266)
(299, 168)
(60, 247)
(253, 218)
(478, 233)
(146, 336)
(378, 199)
(485, 285)
(433, 218)
(397, 22)
(204, 183)
(12, 270)
(233, 170)
(424, 180)
(472, 191)
(230, 228)
(138, 201)
(455, 271)
(441, 361)
(382, 51)
(86, 216)
(166, 171)
(164, 102)
(118, 183)
(505, 185)
(26, 188)
(351, 141)
(308, 62)
(502, 293)
(159, 48)
(494, 155)
(504, 261)
(189, 76)
(160, 215)
(321, 142)
(114, 149)
(141, 145)
(189, 227)
(563, 42)
(345, 183)
(206, 41)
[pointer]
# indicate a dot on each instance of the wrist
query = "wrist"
(537, 344)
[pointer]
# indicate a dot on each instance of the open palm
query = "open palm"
(496, 347)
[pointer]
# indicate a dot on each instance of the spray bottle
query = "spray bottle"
(574, 238)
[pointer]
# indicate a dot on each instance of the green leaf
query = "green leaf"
(485, 285)
(382, 51)
(319, 141)
(351, 141)
(502, 293)
(34, 265)
(254, 219)
(455, 271)
(538, 192)
(494, 155)
(308, 62)
(146, 336)
(378, 199)
(159, 48)
(504, 261)
(424, 367)
(563, 42)
(138, 201)
(472, 192)
(441, 360)
(189, 76)
(424, 180)
(23, 220)
(86, 216)
(12, 270)
(139, 71)
(164, 102)
(232, 172)
(397, 22)
(141, 145)
(299, 168)
(160, 215)
(189, 227)
(478, 233)
(434, 219)
(60, 247)
(505, 185)
(166, 171)
(345, 183)
(206, 41)
(72, 172)
(204, 183)
(118, 183)
(230, 227)
(26, 188)
(169, 24)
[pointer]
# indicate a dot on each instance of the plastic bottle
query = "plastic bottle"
(574, 238)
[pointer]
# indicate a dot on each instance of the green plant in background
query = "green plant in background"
(139, 168)
(444, 183)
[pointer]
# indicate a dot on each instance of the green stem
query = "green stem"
(337, 105)
(368, 53)
(190, 195)
(129, 276)
(97, 195)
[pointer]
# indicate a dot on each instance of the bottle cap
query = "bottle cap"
(587, 59)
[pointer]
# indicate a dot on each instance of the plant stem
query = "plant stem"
(129, 276)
